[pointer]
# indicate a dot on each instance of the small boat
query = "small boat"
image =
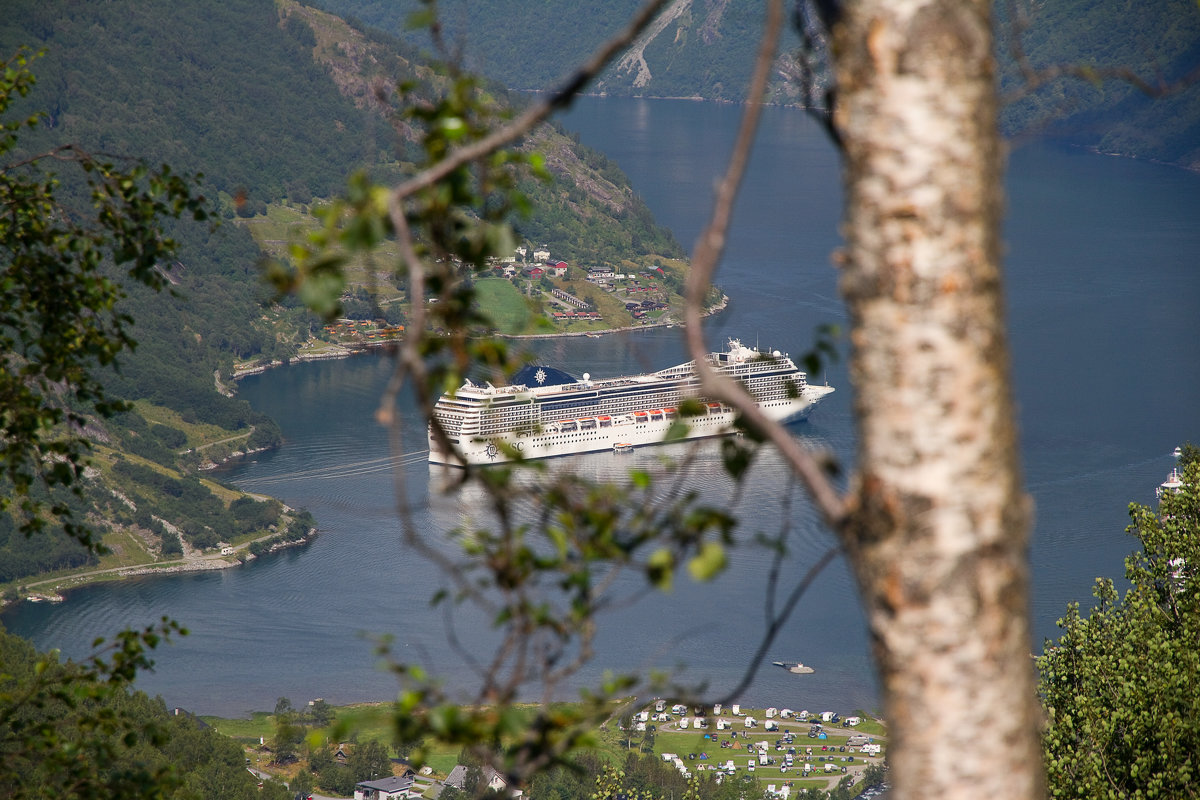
(622, 447)
(794, 667)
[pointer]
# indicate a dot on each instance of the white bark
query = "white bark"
(938, 522)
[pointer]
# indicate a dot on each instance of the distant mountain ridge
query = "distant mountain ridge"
(704, 49)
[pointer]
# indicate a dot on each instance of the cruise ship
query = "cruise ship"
(546, 412)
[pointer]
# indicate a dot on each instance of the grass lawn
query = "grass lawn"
(503, 303)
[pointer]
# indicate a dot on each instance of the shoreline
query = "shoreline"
(340, 352)
(57, 589)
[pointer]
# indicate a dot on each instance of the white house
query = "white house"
(392, 788)
(541, 254)
(457, 779)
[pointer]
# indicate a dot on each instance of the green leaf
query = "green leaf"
(708, 563)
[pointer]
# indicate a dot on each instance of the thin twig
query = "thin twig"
(776, 625)
(709, 249)
(1034, 78)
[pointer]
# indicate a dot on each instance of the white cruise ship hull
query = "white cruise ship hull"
(489, 425)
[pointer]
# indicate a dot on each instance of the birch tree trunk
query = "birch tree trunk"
(938, 524)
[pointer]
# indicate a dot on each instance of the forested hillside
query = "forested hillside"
(73, 730)
(275, 105)
(703, 48)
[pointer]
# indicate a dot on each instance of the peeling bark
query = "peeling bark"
(938, 523)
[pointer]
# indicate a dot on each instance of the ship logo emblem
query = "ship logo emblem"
(540, 376)
(491, 450)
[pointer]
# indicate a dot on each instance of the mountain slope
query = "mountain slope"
(273, 103)
(704, 49)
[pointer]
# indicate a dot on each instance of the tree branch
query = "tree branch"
(709, 249)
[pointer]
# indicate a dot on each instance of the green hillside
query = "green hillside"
(273, 102)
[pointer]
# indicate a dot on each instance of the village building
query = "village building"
(391, 788)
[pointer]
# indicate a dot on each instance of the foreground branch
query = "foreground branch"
(709, 249)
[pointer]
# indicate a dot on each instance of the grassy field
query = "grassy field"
(284, 225)
(501, 301)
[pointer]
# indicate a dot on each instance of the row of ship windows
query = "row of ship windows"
(504, 419)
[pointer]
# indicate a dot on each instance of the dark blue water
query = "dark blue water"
(1103, 298)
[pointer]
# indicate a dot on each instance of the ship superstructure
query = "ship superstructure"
(546, 412)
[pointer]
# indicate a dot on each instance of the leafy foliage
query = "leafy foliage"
(77, 730)
(1119, 686)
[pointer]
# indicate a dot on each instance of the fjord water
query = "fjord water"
(1103, 300)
